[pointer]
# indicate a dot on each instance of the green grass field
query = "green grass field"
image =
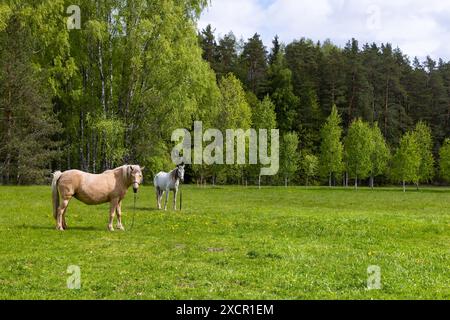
(231, 243)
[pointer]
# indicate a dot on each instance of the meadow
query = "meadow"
(231, 242)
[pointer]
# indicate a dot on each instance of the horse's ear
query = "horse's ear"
(131, 168)
(142, 169)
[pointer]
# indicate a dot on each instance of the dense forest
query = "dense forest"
(112, 92)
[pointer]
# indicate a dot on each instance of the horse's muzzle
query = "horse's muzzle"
(135, 190)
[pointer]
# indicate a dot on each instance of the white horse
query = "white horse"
(168, 181)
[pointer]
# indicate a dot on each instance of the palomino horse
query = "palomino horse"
(109, 186)
(167, 181)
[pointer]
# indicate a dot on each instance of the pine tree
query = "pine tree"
(209, 45)
(254, 61)
(281, 93)
(227, 56)
(28, 125)
(276, 49)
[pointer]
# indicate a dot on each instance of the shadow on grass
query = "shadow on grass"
(374, 190)
(80, 228)
(141, 209)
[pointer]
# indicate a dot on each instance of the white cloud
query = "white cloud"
(418, 27)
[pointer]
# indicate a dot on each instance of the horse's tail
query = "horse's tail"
(155, 180)
(55, 192)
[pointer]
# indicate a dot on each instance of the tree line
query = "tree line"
(114, 90)
(357, 112)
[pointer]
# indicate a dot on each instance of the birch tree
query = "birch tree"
(406, 161)
(331, 148)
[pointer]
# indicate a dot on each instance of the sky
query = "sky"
(419, 28)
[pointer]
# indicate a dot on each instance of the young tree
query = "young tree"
(444, 163)
(359, 147)
(331, 148)
(310, 166)
(380, 154)
(406, 161)
(234, 113)
(422, 134)
(263, 117)
(289, 156)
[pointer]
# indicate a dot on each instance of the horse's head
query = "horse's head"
(180, 171)
(135, 174)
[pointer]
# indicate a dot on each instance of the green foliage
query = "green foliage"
(28, 125)
(331, 148)
(290, 157)
(137, 70)
(406, 160)
(359, 147)
(254, 65)
(263, 115)
(234, 112)
(380, 154)
(112, 134)
(281, 93)
(444, 163)
(5, 13)
(422, 134)
(309, 167)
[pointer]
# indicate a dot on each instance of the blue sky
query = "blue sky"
(419, 28)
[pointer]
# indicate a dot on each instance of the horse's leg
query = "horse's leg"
(112, 213)
(175, 199)
(61, 211)
(167, 199)
(119, 215)
(64, 224)
(158, 198)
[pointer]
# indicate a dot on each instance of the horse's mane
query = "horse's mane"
(125, 173)
(173, 174)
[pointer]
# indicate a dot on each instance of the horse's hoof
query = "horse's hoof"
(110, 228)
(60, 228)
(120, 228)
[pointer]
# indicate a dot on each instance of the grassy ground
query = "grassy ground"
(231, 243)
